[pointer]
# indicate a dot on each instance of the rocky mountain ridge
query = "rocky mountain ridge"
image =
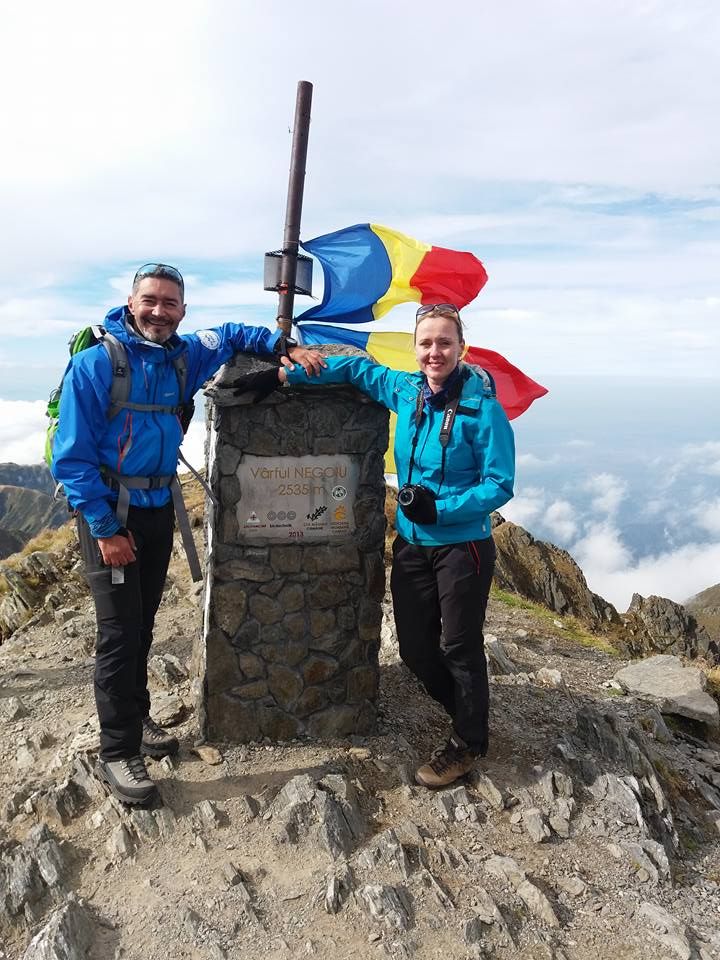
(34, 476)
(591, 829)
(27, 505)
(705, 607)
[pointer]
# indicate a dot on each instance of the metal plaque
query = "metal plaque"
(297, 498)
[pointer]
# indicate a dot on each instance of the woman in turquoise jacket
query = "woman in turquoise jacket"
(455, 457)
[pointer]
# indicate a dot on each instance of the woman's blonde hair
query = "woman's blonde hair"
(447, 310)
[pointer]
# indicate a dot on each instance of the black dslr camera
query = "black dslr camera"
(406, 494)
(417, 503)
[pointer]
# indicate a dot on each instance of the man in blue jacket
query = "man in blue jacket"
(136, 451)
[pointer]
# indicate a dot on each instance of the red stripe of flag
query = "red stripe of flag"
(515, 390)
(449, 276)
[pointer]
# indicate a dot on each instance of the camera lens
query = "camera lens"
(406, 496)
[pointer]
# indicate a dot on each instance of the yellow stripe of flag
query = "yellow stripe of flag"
(395, 350)
(405, 256)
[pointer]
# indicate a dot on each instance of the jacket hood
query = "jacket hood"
(118, 322)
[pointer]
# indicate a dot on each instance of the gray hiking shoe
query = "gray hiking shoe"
(127, 780)
(157, 742)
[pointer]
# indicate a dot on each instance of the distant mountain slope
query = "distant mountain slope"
(705, 607)
(24, 513)
(34, 476)
(9, 543)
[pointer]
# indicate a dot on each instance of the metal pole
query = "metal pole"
(296, 184)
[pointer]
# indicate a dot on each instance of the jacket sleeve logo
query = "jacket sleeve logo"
(209, 339)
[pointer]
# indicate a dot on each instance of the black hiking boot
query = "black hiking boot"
(157, 742)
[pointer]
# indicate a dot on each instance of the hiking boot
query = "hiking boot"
(447, 765)
(127, 780)
(157, 742)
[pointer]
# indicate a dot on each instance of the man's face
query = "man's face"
(157, 308)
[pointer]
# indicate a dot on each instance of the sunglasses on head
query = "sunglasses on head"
(162, 270)
(439, 309)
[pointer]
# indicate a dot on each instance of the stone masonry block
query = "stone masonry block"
(265, 610)
(286, 559)
(318, 668)
(292, 597)
(321, 622)
(229, 606)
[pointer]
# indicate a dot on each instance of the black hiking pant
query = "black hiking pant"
(125, 615)
(440, 596)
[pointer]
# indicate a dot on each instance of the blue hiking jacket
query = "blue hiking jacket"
(134, 443)
(479, 459)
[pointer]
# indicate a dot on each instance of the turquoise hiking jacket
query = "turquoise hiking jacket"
(134, 443)
(479, 459)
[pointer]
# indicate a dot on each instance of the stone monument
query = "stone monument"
(295, 571)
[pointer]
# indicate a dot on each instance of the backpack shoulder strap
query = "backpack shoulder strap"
(488, 383)
(120, 389)
(121, 382)
(187, 407)
(180, 363)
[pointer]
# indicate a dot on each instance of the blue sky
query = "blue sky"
(573, 147)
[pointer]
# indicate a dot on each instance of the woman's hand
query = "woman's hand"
(310, 360)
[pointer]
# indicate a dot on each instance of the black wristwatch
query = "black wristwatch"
(283, 344)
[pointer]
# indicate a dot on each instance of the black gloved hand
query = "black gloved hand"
(422, 507)
(261, 384)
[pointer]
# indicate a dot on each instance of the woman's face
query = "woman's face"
(438, 348)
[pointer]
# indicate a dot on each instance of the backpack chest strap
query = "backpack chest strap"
(115, 408)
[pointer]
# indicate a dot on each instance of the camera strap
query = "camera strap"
(446, 425)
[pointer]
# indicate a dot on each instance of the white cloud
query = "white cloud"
(609, 491)
(40, 316)
(703, 457)
(601, 549)
(532, 460)
(655, 507)
(193, 446)
(22, 431)
(707, 517)
(677, 575)
(561, 520)
(524, 509)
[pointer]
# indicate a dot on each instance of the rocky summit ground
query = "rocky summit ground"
(589, 831)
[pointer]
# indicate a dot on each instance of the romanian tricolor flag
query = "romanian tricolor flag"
(369, 269)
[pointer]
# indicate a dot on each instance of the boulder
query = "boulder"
(30, 873)
(67, 935)
(672, 687)
(326, 811)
